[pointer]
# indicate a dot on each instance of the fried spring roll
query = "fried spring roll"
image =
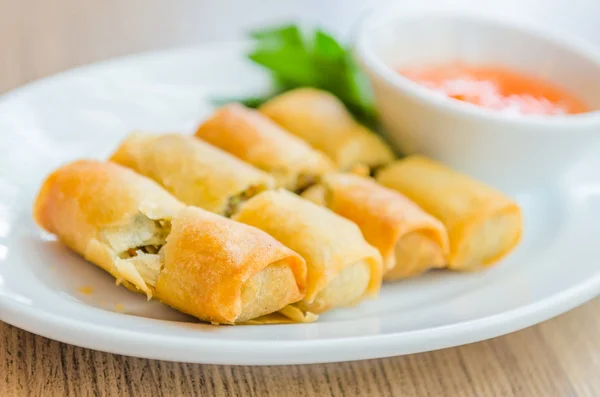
(254, 138)
(207, 177)
(323, 121)
(199, 263)
(484, 225)
(342, 267)
(410, 240)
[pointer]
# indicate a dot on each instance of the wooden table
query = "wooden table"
(560, 357)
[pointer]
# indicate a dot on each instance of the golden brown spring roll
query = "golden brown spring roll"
(322, 120)
(484, 225)
(254, 138)
(207, 177)
(342, 267)
(410, 240)
(200, 263)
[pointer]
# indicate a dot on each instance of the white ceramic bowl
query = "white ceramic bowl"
(511, 152)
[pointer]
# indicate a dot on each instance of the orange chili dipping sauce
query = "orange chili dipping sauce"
(497, 88)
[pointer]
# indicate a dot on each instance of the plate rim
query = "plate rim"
(295, 352)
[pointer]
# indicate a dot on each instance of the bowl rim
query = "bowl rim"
(386, 16)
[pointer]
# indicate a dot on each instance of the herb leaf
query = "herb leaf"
(326, 46)
(290, 63)
(316, 59)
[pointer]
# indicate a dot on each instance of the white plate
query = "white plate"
(84, 113)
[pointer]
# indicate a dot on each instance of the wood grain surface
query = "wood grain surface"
(560, 357)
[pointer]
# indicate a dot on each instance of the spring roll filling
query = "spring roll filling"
(373, 170)
(143, 249)
(138, 245)
(305, 182)
(234, 202)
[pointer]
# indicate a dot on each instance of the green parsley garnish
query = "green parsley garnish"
(297, 58)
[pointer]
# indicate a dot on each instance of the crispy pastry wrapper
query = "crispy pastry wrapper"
(409, 240)
(200, 263)
(484, 225)
(256, 139)
(322, 120)
(342, 268)
(195, 172)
